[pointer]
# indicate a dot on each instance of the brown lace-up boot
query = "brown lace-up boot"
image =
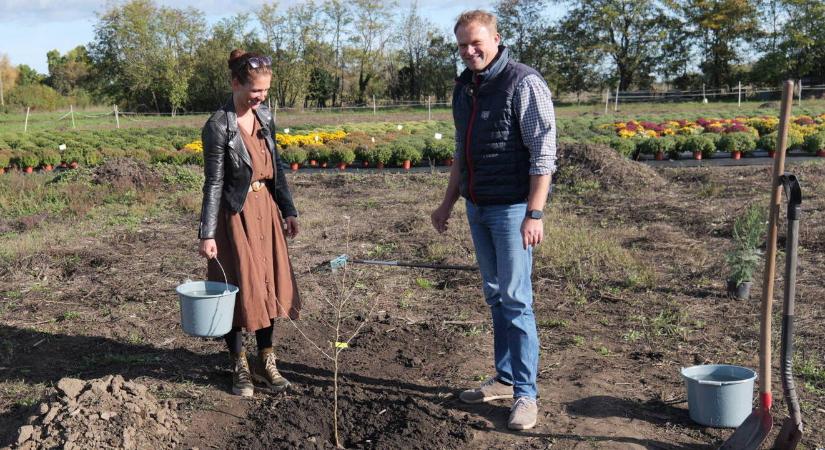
(266, 371)
(241, 376)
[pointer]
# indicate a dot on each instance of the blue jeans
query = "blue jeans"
(505, 271)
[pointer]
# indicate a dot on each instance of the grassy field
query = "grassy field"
(97, 118)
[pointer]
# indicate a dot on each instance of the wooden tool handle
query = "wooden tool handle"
(770, 257)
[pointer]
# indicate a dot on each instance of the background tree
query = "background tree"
(721, 29)
(339, 17)
(373, 22)
(525, 31)
(146, 53)
(27, 75)
(626, 32)
(209, 85)
(8, 77)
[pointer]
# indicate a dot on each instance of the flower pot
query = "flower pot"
(48, 167)
(341, 166)
(293, 166)
(736, 155)
(29, 169)
(771, 153)
(406, 164)
(323, 165)
(313, 162)
(739, 292)
(448, 162)
(64, 165)
(660, 156)
(365, 164)
(379, 165)
(821, 153)
(697, 155)
(2, 170)
(73, 165)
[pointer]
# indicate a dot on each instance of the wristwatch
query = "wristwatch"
(535, 214)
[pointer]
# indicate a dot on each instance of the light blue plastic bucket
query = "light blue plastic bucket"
(719, 395)
(207, 307)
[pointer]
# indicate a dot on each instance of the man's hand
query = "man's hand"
(208, 249)
(440, 217)
(532, 232)
(291, 223)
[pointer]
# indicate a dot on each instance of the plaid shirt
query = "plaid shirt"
(534, 106)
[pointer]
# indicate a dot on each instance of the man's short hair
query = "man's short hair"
(476, 16)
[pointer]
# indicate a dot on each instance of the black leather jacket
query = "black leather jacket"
(228, 167)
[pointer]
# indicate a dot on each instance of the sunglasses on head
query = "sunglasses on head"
(259, 61)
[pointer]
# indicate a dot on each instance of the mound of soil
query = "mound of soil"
(601, 163)
(127, 173)
(367, 419)
(107, 412)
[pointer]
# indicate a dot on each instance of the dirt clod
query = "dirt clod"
(101, 413)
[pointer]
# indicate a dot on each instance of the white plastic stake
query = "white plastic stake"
(26, 125)
(739, 98)
(71, 110)
(117, 118)
(606, 100)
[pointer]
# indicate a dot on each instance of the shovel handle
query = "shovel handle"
(793, 192)
(770, 257)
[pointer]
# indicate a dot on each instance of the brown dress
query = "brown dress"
(253, 250)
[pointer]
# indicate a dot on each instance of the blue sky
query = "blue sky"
(30, 28)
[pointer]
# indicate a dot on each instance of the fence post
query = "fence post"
(616, 103)
(800, 93)
(117, 118)
(71, 111)
(275, 113)
(26, 125)
(373, 105)
(429, 110)
(606, 100)
(704, 97)
(739, 98)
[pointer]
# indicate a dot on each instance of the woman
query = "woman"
(247, 209)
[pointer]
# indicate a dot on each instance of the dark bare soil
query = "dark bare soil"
(630, 287)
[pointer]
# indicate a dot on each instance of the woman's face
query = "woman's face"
(253, 93)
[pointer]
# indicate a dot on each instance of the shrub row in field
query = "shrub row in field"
(48, 148)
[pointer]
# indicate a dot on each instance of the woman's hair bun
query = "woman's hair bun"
(235, 55)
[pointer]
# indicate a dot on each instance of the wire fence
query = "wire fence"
(612, 100)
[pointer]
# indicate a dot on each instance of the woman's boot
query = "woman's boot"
(241, 376)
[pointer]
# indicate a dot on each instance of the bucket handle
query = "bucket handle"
(709, 382)
(225, 280)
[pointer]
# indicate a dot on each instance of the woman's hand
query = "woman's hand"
(291, 223)
(208, 249)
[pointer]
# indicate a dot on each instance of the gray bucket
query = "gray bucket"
(207, 307)
(719, 395)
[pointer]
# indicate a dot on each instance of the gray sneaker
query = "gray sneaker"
(490, 390)
(523, 414)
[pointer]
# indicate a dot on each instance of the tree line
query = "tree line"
(331, 52)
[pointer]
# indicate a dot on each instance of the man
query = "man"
(505, 156)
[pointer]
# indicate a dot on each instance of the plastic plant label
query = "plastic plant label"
(286, 130)
(61, 147)
(338, 263)
(438, 136)
(341, 345)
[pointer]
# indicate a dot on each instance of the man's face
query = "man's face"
(477, 45)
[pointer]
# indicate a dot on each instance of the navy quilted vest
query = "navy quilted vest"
(494, 162)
